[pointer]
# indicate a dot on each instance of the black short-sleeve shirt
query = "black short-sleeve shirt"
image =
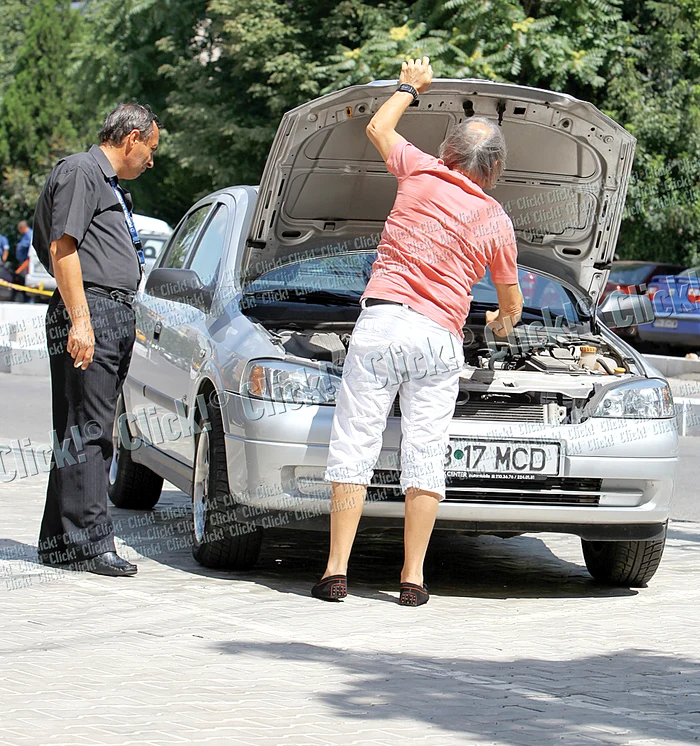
(78, 200)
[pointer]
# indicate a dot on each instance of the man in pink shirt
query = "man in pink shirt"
(442, 234)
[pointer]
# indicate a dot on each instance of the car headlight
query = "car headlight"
(647, 400)
(275, 380)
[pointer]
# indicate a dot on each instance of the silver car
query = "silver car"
(245, 320)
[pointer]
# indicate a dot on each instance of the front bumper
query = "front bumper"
(616, 481)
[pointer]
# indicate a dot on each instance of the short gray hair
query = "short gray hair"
(126, 118)
(476, 147)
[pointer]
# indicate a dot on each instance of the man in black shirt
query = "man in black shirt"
(84, 235)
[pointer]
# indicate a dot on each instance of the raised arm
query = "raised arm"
(382, 127)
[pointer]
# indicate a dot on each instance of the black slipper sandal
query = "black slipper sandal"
(331, 588)
(413, 595)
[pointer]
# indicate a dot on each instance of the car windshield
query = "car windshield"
(690, 272)
(348, 274)
(630, 274)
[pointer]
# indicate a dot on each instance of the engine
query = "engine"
(528, 349)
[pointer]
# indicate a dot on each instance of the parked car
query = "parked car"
(154, 234)
(632, 277)
(676, 302)
(244, 323)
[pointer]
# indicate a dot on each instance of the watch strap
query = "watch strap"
(408, 88)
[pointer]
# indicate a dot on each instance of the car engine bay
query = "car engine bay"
(541, 374)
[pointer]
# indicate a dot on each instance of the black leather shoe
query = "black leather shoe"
(110, 563)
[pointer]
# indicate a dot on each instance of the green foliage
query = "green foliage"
(120, 57)
(220, 73)
(37, 114)
(656, 98)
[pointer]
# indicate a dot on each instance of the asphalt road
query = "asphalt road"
(25, 412)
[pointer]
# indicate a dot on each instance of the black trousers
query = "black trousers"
(19, 295)
(77, 524)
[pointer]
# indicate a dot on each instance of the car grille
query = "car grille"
(494, 411)
(546, 491)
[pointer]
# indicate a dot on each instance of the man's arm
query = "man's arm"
(510, 306)
(69, 278)
(382, 127)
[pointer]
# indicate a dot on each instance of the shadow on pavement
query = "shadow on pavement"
(626, 696)
(291, 560)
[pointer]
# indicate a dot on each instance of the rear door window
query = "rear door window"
(180, 248)
(207, 256)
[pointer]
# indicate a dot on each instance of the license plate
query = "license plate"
(666, 323)
(467, 456)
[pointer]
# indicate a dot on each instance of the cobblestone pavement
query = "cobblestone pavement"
(517, 645)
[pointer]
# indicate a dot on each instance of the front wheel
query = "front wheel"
(132, 486)
(220, 542)
(624, 563)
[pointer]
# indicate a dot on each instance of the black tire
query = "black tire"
(220, 542)
(624, 563)
(131, 486)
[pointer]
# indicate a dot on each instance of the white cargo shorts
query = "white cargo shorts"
(394, 348)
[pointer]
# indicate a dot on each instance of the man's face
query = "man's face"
(138, 153)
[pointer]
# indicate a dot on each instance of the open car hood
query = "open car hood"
(325, 187)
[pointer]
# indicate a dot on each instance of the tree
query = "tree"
(248, 64)
(120, 58)
(37, 114)
(656, 98)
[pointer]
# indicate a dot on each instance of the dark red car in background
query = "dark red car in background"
(632, 277)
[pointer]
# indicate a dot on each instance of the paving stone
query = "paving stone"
(517, 645)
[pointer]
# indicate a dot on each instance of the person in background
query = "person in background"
(22, 261)
(4, 248)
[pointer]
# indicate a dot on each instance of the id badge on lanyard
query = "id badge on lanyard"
(129, 224)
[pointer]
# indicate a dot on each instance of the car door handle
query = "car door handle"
(157, 329)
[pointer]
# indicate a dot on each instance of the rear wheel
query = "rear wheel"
(131, 486)
(625, 563)
(220, 542)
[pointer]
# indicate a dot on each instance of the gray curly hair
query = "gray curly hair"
(478, 148)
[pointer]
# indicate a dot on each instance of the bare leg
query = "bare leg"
(347, 501)
(421, 509)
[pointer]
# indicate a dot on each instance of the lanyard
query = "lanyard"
(129, 223)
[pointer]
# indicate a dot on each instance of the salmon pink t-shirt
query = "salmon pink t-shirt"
(441, 235)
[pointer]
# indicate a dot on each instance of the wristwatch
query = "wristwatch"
(407, 88)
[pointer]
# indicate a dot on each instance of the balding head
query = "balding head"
(477, 148)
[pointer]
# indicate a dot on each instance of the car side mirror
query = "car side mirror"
(179, 285)
(619, 310)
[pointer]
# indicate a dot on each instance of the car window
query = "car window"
(179, 250)
(207, 256)
(631, 274)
